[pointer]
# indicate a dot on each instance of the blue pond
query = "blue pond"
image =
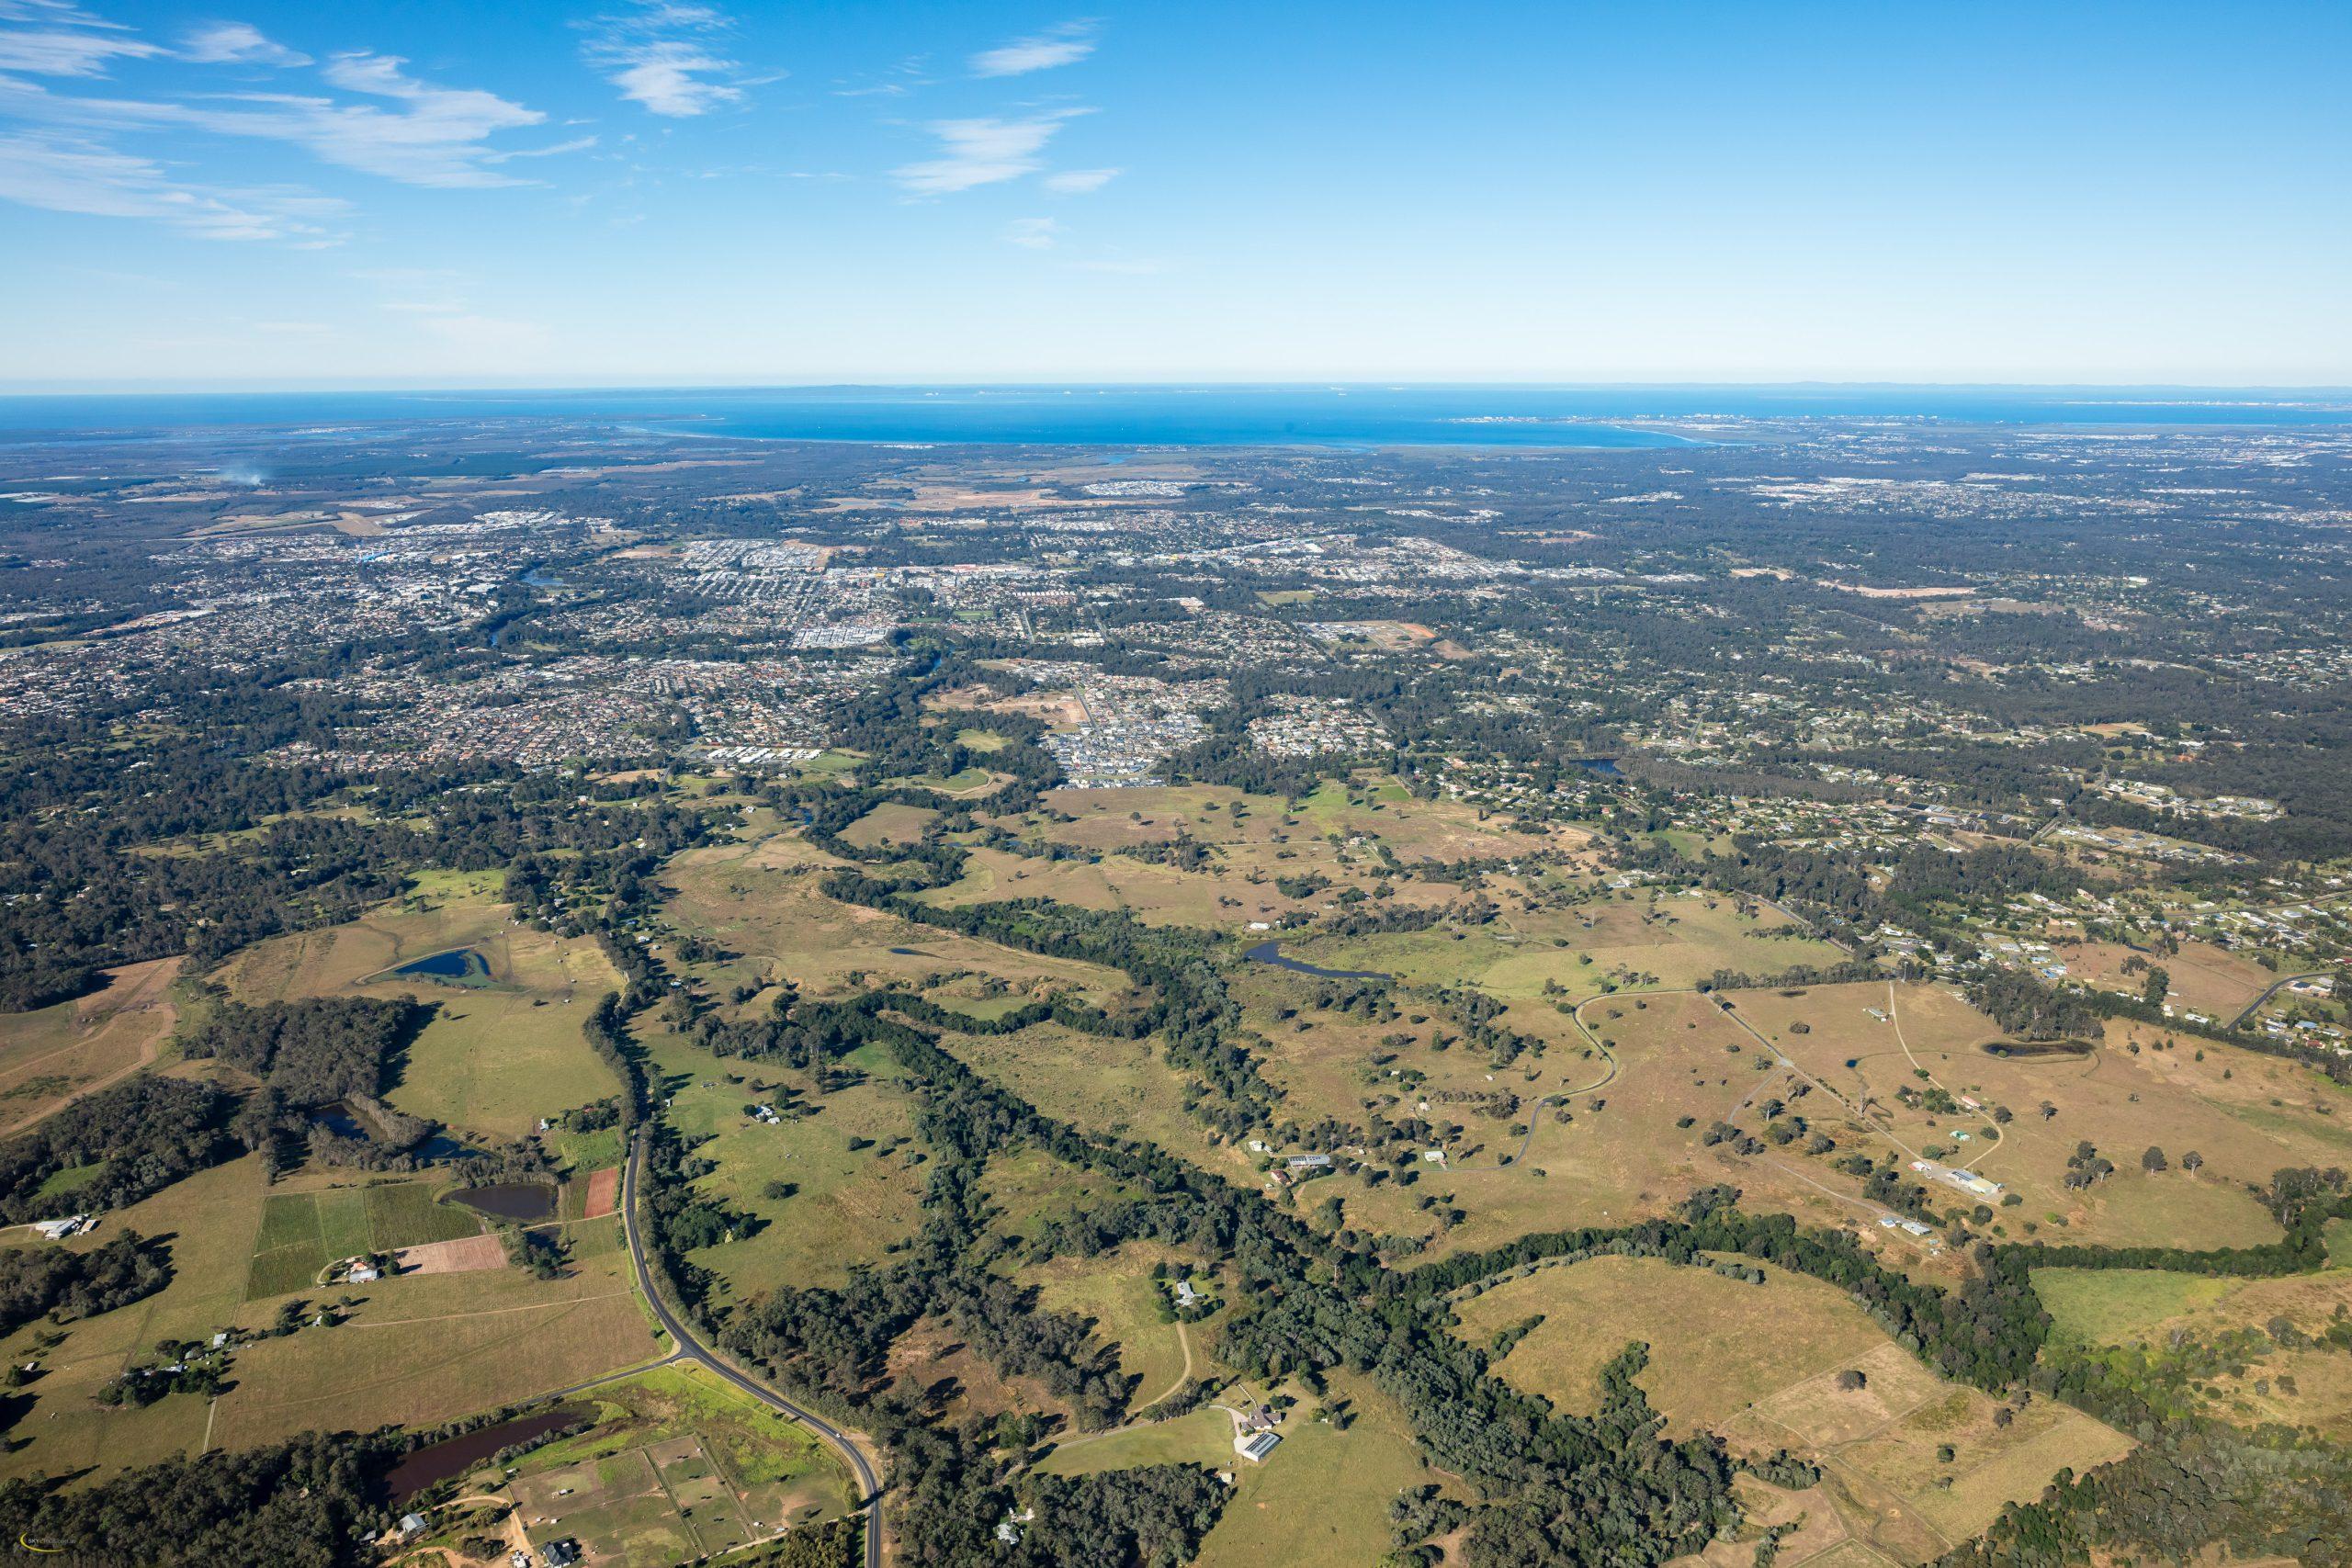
(1271, 952)
(459, 966)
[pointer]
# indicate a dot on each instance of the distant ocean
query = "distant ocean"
(1131, 416)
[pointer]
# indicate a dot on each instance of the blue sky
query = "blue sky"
(504, 194)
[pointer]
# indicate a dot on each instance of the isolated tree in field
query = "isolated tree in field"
(2154, 1160)
(2191, 1161)
(1850, 1380)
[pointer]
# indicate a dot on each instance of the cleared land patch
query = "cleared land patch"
(54, 1055)
(211, 1218)
(1116, 1292)
(1721, 1346)
(424, 1347)
(497, 1055)
(302, 1233)
(678, 1466)
(842, 1155)
(1869, 1043)
(762, 903)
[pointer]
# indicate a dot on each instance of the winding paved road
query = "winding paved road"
(2273, 989)
(693, 1350)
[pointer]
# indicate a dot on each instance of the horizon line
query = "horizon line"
(280, 386)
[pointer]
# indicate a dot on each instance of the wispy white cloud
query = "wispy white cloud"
(420, 134)
(237, 44)
(981, 151)
(657, 55)
(897, 81)
(66, 174)
(1064, 45)
(59, 39)
(1033, 234)
(456, 324)
(1078, 182)
(577, 144)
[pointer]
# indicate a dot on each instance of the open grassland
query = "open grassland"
(1809, 1519)
(1333, 1062)
(2127, 1305)
(210, 1219)
(302, 1233)
(58, 1054)
(933, 1365)
(2110, 1306)
(1238, 887)
(1379, 811)
(1320, 1499)
(1027, 1188)
(496, 1058)
(1717, 1345)
(1675, 942)
(2205, 978)
(1881, 1444)
(2244, 1114)
(425, 1348)
(1341, 841)
(1106, 1085)
(1622, 1155)
(761, 901)
(889, 823)
(1202, 1437)
(1128, 1307)
(2168, 1321)
(855, 1192)
(1900, 1468)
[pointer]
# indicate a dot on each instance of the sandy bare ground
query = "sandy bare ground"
(460, 1256)
(1868, 593)
(604, 1193)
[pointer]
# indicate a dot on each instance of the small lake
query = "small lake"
(459, 966)
(339, 1119)
(1605, 766)
(525, 1203)
(455, 1456)
(2011, 1050)
(1271, 952)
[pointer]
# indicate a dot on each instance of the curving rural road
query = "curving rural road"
(693, 1350)
(2271, 990)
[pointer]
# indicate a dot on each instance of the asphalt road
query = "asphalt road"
(2276, 986)
(693, 1350)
